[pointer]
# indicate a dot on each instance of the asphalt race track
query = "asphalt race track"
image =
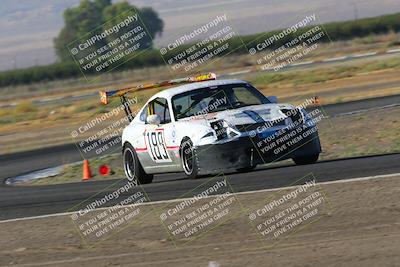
(17, 202)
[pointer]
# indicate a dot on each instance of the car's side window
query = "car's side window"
(160, 107)
(181, 104)
(143, 115)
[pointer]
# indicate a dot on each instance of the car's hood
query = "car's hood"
(244, 115)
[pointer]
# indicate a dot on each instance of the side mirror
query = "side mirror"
(153, 119)
(273, 99)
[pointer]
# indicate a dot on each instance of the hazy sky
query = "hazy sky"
(27, 27)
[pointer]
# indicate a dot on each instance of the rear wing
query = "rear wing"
(106, 95)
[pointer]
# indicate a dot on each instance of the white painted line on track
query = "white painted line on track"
(238, 72)
(393, 51)
(302, 63)
(335, 59)
(8, 105)
(49, 99)
(366, 110)
(85, 95)
(364, 55)
(350, 180)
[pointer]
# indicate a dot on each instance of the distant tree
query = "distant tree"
(152, 23)
(91, 17)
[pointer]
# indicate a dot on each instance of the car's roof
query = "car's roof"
(169, 93)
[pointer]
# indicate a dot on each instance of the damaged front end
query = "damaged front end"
(231, 147)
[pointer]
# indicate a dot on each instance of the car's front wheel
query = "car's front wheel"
(133, 169)
(306, 159)
(189, 159)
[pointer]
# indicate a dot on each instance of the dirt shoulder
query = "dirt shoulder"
(358, 226)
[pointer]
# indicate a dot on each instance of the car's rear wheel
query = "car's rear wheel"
(306, 159)
(189, 159)
(133, 169)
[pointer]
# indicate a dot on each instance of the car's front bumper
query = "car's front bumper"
(260, 149)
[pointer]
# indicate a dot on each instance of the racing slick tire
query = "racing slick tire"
(304, 160)
(190, 162)
(132, 167)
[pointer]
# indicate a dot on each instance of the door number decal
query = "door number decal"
(157, 148)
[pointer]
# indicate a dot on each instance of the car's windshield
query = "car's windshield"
(213, 99)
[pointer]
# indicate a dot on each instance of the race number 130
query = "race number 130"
(157, 148)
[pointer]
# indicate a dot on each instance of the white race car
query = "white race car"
(208, 126)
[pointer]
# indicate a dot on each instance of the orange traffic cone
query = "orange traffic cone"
(87, 174)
